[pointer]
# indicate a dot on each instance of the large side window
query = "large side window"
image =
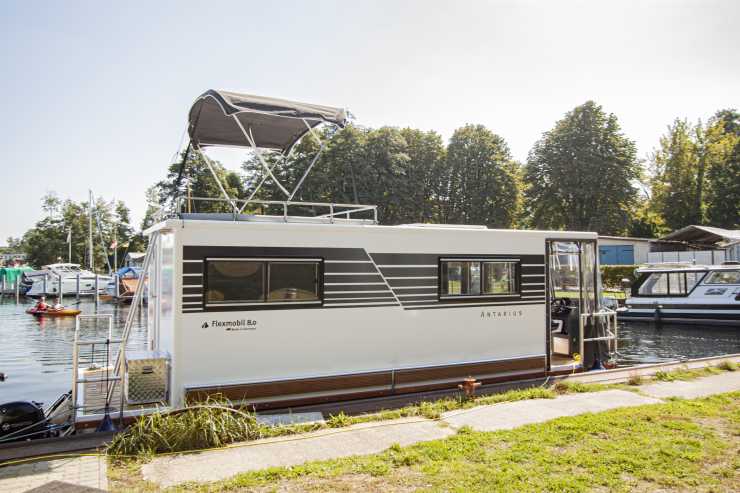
(478, 278)
(724, 277)
(293, 281)
(258, 281)
(234, 281)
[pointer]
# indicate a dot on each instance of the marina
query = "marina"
(37, 353)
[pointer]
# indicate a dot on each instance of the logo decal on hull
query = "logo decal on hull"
(237, 324)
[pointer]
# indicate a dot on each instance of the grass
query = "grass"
(683, 445)
(216, 423)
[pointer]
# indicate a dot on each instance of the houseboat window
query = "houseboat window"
(477, 278)
(670, 283)
(656, 284)
(499, 278)
(692, 279)
(293, 281)
(724, 277)
(235, 280)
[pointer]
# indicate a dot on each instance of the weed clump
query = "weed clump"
(213, 423)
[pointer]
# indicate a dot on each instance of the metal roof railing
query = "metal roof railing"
(259, 210)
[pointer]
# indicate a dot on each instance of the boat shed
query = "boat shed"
(708, 238)
(623, 250)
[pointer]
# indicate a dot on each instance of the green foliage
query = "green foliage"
(483, 181)
(46, 242)
(723, 173)
(612, 275)
(685, 445)
(580, 175)
(696, 173)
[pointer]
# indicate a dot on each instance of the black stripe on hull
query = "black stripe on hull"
(349, 268)
(400, 283)
(329, 288)
(332, 278)
(684, 318)
(202, 252)
(433, 258)
(409, 271)
(192, 267)
(385, 294)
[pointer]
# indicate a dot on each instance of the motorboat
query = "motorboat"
(685, 294)
(123, 284)
(46, 281)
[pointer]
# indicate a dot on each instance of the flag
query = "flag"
(69, 235)
(114, 244)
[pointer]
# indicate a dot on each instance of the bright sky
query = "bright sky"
(96, 96)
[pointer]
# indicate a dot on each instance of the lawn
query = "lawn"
(677, 446)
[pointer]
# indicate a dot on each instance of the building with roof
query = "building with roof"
(700, 238)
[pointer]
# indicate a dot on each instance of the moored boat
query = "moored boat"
(46, 281)
(686, 294)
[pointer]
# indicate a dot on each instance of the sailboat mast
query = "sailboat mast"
(90, 236)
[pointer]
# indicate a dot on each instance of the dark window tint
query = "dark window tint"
(478, 278)
(235, 280)
(293, 281)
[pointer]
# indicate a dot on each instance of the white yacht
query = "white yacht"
(688, 294)
(46, 281)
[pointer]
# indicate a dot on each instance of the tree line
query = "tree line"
(583, 174)
(63, 220)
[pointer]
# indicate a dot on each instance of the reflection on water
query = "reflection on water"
(36, 353)
(645, 343)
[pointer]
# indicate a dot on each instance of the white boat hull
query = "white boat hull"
(69, 286)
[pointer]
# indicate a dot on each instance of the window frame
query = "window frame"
(266, 303)
(670, 294)
(481, 295)
(711, 274)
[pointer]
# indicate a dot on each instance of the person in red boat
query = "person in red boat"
(41, 306)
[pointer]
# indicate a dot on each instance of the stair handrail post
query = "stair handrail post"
(137, 301)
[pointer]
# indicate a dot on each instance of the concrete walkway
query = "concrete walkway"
(369, 438)
(76, 475)
(88, 474)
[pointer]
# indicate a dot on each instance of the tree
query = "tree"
(722, 151)
(581, 175)
(197, 181)
(482, 180)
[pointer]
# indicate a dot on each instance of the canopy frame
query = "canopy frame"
(317, 115)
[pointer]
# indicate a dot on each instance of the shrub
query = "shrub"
(612, 275)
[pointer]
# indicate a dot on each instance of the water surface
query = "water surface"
(36, 354)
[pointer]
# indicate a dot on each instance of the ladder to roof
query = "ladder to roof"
(106, 376)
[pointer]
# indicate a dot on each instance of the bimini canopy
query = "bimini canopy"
(222, 118)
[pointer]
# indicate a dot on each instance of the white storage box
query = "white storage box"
(147, 377)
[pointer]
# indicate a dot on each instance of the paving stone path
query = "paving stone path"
(88, 474)
(74, 475)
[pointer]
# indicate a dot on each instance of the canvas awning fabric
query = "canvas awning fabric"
(273, 123)
(10, 274)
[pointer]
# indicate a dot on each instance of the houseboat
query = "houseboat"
(686, 294)
(309, 303)
(284, 310)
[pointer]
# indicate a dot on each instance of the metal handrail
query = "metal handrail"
(347, 209)
(611, 329)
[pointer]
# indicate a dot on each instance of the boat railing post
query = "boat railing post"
(96, 290)
(17, 290)
(44, 286)
(77, 288)
(117, 280)
(61, 290)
